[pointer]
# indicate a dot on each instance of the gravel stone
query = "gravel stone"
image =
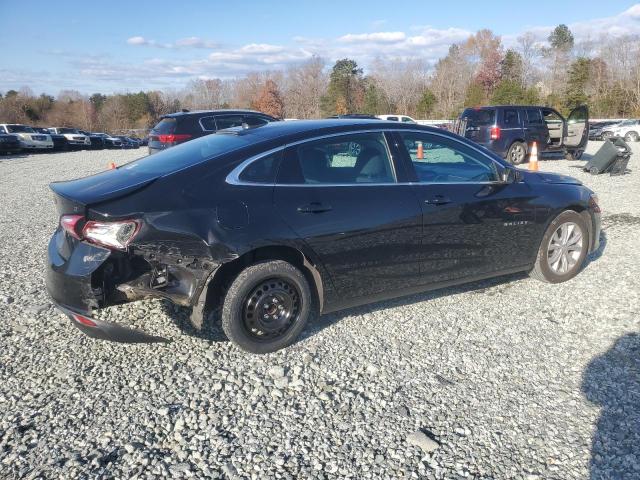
(421, 440)
(515, 378)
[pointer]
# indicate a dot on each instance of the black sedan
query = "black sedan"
(60, 142)
(9, 143)
(275, 225)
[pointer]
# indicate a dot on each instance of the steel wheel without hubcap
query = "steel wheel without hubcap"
(565, 248)
(271, 309)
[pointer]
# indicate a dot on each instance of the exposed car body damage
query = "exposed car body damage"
(181, 226)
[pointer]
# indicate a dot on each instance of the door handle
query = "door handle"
(437, 200)
(314, 207)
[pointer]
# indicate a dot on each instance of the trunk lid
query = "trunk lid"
(73, 196)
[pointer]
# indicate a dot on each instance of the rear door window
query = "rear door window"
(345, 159)
(229, 121)
(511, 118)
(534, 116)
(394, 119)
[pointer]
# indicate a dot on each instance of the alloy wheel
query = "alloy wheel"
(517, 154)
(565, 248)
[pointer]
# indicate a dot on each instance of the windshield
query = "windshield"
(627, 123)
(20, 129)
(67, 130)
(188, 154)
(479, 117)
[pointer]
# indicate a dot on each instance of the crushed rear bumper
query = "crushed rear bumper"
(108, 330)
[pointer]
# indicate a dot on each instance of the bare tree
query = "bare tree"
(402, 81)
(304, 86)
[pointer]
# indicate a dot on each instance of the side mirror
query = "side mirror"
(510, 175)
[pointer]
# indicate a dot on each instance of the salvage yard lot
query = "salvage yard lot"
(511, 377)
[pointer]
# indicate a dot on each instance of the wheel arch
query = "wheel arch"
(212, 294)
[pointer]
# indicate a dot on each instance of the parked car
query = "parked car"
(628, 129)
(75, 139)
(60, 143)
(9, 143)
(601, 130)
(128, 142)
(355, 116)
(97, 142)
(418, 208)
(109, 140)
(28, 137)
(510, 130)
(397, 118)
(181, 127)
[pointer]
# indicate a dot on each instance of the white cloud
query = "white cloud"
(378, 37)
(137, 41)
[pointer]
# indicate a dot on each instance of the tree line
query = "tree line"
(604, 74)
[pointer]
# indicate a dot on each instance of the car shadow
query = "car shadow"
(612, 381)
(211, 329)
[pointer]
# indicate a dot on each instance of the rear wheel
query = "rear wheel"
(267, 306)
(517, 153)
(632, 137)
(563, 249)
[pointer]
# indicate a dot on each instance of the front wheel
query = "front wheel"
(267, 306)
(563, 249)
(632, 137)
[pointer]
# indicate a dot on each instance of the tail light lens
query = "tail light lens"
(108, 234)
(69, 224)
(172, 138)
(495, 133)
(593, 203)
(111, 234)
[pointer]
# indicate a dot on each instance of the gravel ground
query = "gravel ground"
(509, 378)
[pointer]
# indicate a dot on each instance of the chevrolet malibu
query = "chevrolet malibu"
(272, 226)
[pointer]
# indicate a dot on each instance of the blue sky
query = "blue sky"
(141, 44)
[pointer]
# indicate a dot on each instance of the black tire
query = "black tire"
(248, 295)
(574, 154)
(632, 137)
(542, 270)
(517, 153)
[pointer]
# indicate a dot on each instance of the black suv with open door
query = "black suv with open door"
(183, 126)
(510, 130)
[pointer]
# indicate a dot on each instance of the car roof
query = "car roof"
(213, 112)
(275, 130)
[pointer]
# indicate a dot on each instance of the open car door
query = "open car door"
(577, 132)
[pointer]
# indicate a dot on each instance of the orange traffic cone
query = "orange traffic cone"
(420, 151)
(533, 158)
(112, 165)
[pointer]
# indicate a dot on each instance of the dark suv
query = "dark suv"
(510, 130)
(183, 126)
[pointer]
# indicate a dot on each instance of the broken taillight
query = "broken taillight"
(111, 234)
(69, 224)
(116, 234)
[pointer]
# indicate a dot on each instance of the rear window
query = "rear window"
(166, 126)
(188, 154)
(479, 117)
